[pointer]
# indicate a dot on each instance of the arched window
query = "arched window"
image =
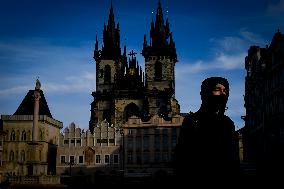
(12, 156)
(130, 110)
(13, 136)
(24, 136)
(107, 74)
(158, 71)
(22, 156)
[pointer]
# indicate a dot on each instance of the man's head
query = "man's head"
(214, 94)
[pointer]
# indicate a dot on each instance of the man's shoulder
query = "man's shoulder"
(228, 119)
(190, 115)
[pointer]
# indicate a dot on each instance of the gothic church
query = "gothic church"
(122, 88)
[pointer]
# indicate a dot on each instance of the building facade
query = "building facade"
(149, 146)
(263, 134)
(84, 153)
(30, 142)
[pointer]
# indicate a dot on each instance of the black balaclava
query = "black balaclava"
(211, 103)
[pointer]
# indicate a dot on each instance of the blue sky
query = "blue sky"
(54, 40)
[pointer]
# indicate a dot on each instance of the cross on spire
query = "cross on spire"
(132, 54)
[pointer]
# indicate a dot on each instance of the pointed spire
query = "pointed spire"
(152, 30)
(124, 57)
(161, 41)
(111, 38)
(159, 15)
(124, 51)
(38, 84)
(111, 16)
(97, 43)
(167, 29)
(145, 41)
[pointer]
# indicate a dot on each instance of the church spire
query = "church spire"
(111, 38)
(161, 41)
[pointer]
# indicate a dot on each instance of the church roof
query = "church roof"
(27, 105)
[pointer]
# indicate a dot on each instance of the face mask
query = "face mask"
(217, 103)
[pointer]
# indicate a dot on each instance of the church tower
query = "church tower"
(122, 89)
(160, 59)
(108, 63)
(119, 82)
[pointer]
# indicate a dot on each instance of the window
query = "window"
(24, 136)
(72, 159)
(129, 157)
(107, 74)
(146, 143)
(157, 157)
(115, 158)
(22, 156)
(146, 157)
(174, 137)
(158, 71)
(157, 142)
(62, 159)
(138, 159)
(107, 159)
(13, 136)
(11, 156)
(81, 159)
(165, 157)
(130, 143)
(139, 143)
(98, 158)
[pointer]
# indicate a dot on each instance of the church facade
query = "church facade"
(122, 88)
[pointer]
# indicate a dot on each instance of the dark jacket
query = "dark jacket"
(207, 147)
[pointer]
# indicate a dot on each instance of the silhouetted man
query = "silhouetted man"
(207, 148)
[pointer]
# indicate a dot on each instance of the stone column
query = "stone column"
(36, 114)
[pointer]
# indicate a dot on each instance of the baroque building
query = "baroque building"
(122, 88)
(263, 134)
(30, 142)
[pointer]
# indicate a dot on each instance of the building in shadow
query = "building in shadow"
(263, 134)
